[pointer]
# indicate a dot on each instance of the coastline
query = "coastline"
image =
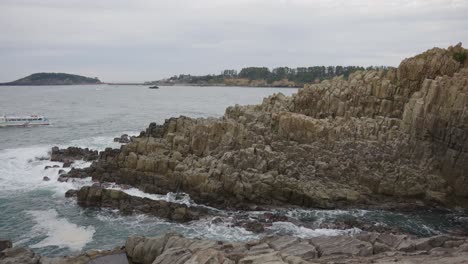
(370, 141)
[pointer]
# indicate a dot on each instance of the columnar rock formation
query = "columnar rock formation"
(378, 136)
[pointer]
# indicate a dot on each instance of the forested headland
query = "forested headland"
(264, 77)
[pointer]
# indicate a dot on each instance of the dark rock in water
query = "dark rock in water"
(124, 139)
(77, 173)
(217, 220)
(71, 193)
(5, 243)
(95, 196)
(73, 153)
(63, 178)
(368, 226)
(254, 226)
(51, 167)
(61, 171)
(258, 223)
(67, 163)
(45, 178)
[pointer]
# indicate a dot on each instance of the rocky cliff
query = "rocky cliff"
(393, 136)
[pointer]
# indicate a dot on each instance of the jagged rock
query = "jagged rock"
(67, 163)
(95, 196)
(63, 178)
(45, 178)
(72, 153)
(71, 193)
(124, 139)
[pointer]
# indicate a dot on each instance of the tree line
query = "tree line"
(299, 75)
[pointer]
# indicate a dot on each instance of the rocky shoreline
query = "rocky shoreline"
(171, 249)
(393, 139)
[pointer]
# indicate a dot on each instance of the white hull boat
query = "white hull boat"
(23, 121)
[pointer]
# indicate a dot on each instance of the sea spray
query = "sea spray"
(59, 231)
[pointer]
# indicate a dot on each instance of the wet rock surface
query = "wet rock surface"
(124, 139)
(96, 196)
(70, 154)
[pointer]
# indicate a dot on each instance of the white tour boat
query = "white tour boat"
(13, 121)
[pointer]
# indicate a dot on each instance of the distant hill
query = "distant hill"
(54, 79)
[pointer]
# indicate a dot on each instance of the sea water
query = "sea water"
(35, 213)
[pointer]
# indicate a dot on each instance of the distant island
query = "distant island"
(54, 79)
(264, 77)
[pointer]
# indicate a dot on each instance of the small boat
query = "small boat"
(154, 87)
(23, 121)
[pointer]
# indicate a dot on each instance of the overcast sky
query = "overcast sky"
(141, 40)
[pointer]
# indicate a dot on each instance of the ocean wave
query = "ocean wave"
(216, 231)
(59, 231)
(22, 169)
(290, 229)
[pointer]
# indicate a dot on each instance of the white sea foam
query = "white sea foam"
(22, 169)
(98, 143)
(216, 231)
(59, 231)
(181, 198)
(287, 228)
(19, 170)
(321, 216)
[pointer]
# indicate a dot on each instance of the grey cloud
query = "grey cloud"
(120, 40)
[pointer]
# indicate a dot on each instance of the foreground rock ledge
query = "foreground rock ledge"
(172, 249)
